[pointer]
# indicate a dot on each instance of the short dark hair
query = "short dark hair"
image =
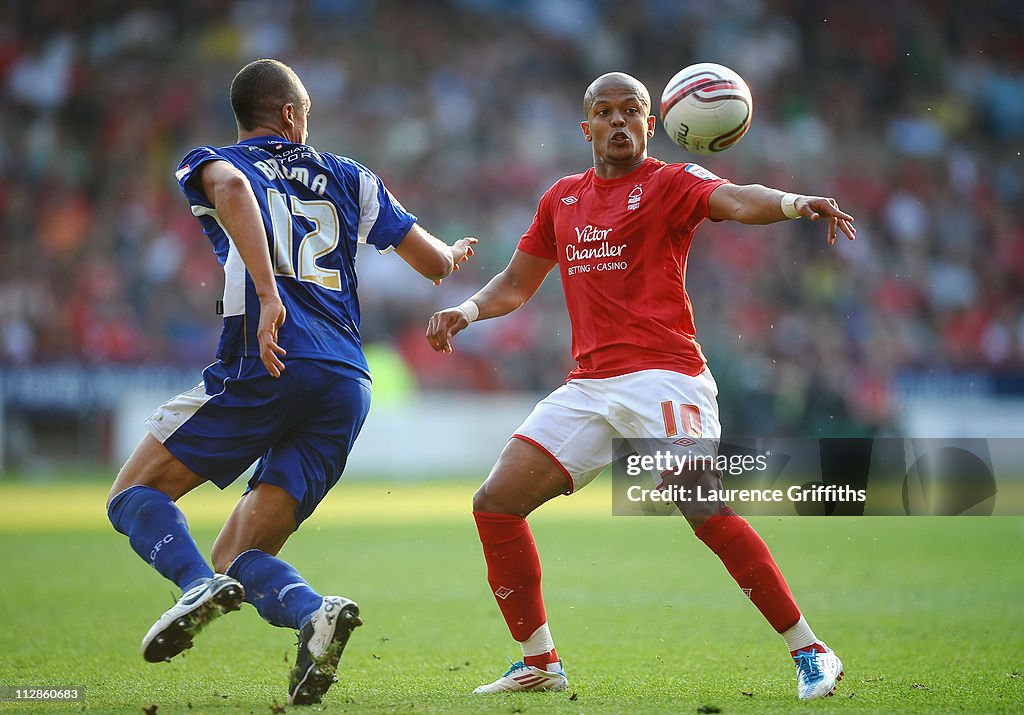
(260, 89)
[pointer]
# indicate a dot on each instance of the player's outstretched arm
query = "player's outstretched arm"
(230, 193)
(431, 257)
(504, 293)
(756, 204)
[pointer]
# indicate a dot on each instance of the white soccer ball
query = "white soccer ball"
(706, 108)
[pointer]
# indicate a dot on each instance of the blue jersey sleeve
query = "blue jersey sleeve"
(383, 221)
(186, 170)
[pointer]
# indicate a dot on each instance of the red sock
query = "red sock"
(541, 661)
(513, 571)
(749, 561)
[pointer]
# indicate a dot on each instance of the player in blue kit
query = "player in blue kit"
(285, 221)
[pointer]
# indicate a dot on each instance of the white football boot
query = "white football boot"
(817, 673)
(173, 631)
(526, 677)
(321, 643)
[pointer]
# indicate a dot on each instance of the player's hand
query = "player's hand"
(816, 207)
(272, 316)
(443, 326)
(461, 251)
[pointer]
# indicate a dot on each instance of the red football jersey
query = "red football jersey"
(621, 247)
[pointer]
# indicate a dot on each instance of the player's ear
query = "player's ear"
(651, 122)
(585, 126)
(288, 114)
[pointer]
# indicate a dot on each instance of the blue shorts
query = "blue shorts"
(300, 427)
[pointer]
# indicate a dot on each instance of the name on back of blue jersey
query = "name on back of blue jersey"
(274, 168)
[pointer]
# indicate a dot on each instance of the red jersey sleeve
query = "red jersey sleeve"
(685, 193)
(539, 239)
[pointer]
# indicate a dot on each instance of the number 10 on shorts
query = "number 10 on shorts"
(689, 419)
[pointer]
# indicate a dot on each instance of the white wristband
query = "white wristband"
(789, 205)
(470, 309)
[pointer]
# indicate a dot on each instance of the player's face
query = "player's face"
(618, 125)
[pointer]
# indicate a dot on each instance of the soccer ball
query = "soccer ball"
(706, 108)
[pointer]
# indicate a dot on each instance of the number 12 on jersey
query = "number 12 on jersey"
(319, 242)
(689, 419)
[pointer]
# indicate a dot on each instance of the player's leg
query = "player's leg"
(247, 550)
(749, 561)
(141, 506)
(194, 437)
(247, 547)
(687, 425)
(744, 554)
(289, 482)
(523, 478)
(210, 433)
(560, 447)
(693, 414)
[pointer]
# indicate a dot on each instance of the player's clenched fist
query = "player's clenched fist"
(443, 326)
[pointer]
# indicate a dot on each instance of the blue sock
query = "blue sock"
(158, 532)
(281, 596)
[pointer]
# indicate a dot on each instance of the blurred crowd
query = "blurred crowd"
(469, 109)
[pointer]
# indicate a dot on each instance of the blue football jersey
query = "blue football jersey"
(317, 207)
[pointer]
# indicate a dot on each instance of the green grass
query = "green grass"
(925, 612)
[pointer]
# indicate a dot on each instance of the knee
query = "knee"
(482, 500)
(697, 511)
(490, 500)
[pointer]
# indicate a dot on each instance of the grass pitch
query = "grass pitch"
(925, 612)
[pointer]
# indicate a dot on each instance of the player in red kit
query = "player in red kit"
(619, 234)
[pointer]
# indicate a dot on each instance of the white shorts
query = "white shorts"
(575, 424)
